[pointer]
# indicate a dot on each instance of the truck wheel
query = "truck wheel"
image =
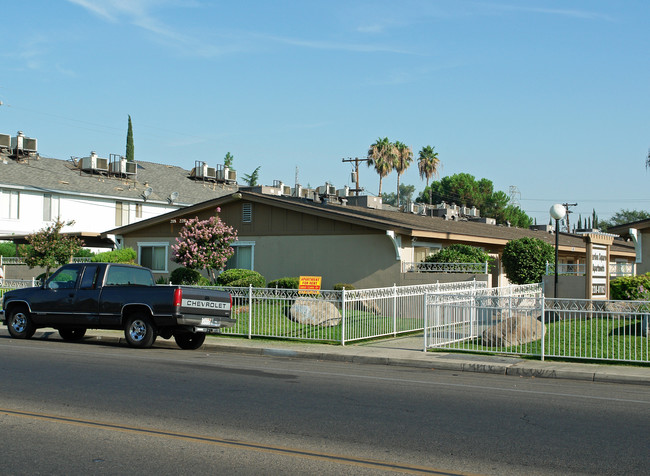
(189, 340)
(19, 324)
(139, 331)
(72, 334)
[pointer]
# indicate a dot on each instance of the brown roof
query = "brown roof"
(404, 223)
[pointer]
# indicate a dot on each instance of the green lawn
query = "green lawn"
(272, 320)
(596, 339)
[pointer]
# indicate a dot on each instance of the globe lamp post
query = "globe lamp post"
(558, 212)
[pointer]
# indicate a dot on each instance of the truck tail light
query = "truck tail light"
(178, 297)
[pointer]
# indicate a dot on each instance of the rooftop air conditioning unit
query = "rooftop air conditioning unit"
(123, 167)
(331, 190)
(343, 192)
(286, 190)
(20, 143)
(210, 172)
(231, 175)
(94, 163)
(297, 191)
(5, 141)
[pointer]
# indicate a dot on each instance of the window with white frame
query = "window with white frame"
(243, 258)
(9, 204)
(153, 256)
(51, 209)
(138, 210)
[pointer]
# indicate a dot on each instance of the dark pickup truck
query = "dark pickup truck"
(116, 296)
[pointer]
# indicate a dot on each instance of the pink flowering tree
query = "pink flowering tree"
(204, 244)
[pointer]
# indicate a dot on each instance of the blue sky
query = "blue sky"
(551, 97)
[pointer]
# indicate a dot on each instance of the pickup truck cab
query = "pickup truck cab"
(85, 296)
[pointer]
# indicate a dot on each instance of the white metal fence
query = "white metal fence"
(334, 316)
(423, 267)
(515, 320)
(615, 269)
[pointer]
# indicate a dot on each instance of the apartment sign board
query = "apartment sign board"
(599, 271)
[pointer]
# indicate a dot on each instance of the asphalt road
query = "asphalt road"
(108, 409)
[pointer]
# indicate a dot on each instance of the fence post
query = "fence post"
(343, 316)
(250, 311)
(425, 320)
(486, 267)
(543, 299)
(394, 310)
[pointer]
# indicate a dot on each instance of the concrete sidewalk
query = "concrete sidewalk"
(400, 351)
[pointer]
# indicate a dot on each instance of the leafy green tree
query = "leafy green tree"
(524, 260)
(624, 216)
(594, 218)
(463, 189)
(459, 253)
(403, 160)
(49, 248)
(252, 178)
(405, 195)
(204, 244)
(130, 151)
(382, 155)
(227, 160)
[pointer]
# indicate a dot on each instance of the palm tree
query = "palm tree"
(428, 164)
(381, 155)
(402, 161)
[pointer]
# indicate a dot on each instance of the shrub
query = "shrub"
(124, 255)
(84, 253)
(161, 280)
(240, 278)
(524, 260)
(459, 253)
(630, 287)
(340, 286)
(184, 276)
(284, 283)
(8, 249)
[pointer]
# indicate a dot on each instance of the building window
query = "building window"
(422, 250)
(153, 256)
(247, 212)
(243, 256)
(121, 213)
(50, 207)
(138, 210)
(9, 204)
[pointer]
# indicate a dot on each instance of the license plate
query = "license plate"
(207, 321)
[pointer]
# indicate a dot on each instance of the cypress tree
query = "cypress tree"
(129, 142)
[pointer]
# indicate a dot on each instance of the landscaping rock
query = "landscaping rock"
(513, 331)
(315, 312)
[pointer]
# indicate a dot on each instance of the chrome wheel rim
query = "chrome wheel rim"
(19, 322)
(138, 330)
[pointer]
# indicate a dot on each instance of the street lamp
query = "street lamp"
(557, 212)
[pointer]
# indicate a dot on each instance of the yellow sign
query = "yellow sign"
(309, 284)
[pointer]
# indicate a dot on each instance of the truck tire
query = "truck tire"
(139, 331)
(189, 340)
(72, 334)
(19, 323)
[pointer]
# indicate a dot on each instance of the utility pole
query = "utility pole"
(566, 207)
(356, 161)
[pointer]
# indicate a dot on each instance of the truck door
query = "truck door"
(86, 304)
(54, 303)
